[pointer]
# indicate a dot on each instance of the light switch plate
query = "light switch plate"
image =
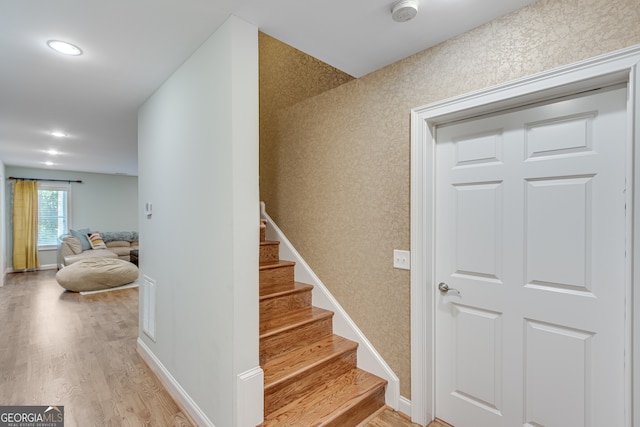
(401, 259)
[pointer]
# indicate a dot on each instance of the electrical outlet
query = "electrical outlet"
(401, 259)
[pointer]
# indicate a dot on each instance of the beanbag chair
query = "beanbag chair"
(94, 274)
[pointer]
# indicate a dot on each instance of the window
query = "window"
(53, 213)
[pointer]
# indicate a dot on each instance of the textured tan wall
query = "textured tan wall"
(340, 161)
(287, 76)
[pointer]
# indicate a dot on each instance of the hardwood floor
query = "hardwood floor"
(60, 348)
(387, 417)
(438, 423)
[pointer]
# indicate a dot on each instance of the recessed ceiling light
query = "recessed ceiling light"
(58, 134)
(53, 152)
(64, 47)
(48, 163)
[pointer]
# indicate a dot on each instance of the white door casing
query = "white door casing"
(530, 232)
(617, 67)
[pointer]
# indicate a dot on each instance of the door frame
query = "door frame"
(622, 66)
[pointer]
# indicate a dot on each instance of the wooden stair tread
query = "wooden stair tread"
(278, 264)
(291, 364)
(277, 324)
(269, 251)
(276, 271)
(329, 402)
(282, 289)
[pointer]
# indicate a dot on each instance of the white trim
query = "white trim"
(634, 334)
(368, 358)
(615, 67)
(49, 185)
(10, 270)
(631, 248)
(404, 406)
(421, 275)
(250, 398)
(173, 387)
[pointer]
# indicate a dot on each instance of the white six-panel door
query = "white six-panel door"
(530, 234)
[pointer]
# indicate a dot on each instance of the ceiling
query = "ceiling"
(132, 46)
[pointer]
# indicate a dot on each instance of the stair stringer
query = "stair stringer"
(368, 357)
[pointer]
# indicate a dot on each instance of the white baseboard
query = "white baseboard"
(173, 387)
(404, 406)
(250, 398)
(42, 267)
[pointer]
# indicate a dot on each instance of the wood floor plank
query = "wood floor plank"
(387, 417)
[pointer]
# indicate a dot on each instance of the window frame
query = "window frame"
(56, 186)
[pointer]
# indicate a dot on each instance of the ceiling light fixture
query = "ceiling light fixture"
(64, 47)
(48, 163)
(58, 134)
(53, 152)
(404, 10)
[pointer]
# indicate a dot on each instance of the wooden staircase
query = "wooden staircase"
(310, 374)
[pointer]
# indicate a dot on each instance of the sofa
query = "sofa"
(84, 244)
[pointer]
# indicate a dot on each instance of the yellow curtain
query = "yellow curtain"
(25, 225)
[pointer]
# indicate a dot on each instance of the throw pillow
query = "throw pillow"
(82, 236)
(95, 239)
(74, 244)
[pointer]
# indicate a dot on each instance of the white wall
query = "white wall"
(102, 203)
(198, 166)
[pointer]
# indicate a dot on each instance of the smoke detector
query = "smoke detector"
(404, 10)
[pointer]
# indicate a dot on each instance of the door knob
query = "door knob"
(444, 288)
